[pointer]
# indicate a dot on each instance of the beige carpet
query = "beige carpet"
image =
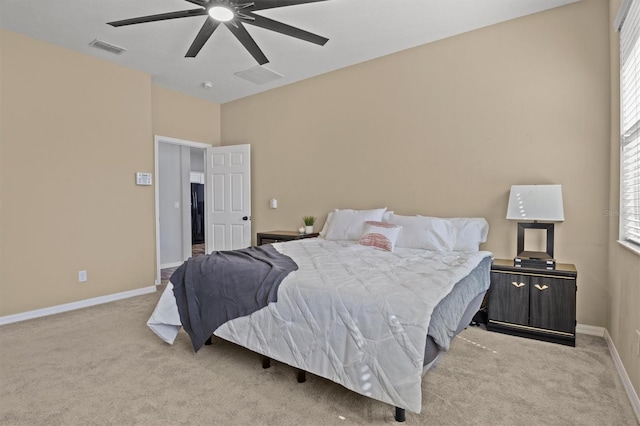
(103, 366)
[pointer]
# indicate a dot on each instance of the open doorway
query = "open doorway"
(180, 200)
(197, 190)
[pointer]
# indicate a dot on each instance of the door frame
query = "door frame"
(157, 139)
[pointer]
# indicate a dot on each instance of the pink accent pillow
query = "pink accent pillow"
(380, 234)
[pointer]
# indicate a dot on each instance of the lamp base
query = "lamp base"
(535, 260)
(534, 255)
(548, 227)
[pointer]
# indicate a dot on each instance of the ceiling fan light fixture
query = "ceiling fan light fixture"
(221, 13)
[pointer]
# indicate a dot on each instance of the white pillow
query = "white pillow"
(427, 233)
(470, 232)
(348, 224)
(380, 234)
(323, 232)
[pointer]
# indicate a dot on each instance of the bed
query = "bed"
(365, 308)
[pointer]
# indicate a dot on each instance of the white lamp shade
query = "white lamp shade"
(536, 202)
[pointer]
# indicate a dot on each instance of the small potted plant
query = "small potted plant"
(308, 224)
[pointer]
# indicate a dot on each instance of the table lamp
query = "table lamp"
(535, 207)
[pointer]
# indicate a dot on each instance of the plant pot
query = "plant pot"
(308, 229)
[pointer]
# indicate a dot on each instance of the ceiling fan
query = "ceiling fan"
(233, 14)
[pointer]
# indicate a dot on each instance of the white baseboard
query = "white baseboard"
(171, 265)
(8, 319)
(626, 381)
(590, 330)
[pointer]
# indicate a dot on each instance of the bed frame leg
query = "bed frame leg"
(266, 362)
(400, 415)
(302, 377)
(208, 341)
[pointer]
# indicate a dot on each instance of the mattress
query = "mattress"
(356, 315)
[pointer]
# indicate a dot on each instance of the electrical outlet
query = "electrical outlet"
(637, 342)
(82, 276)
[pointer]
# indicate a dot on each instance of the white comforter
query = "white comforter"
(355, 315)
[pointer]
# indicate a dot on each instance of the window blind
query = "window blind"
(630, 122)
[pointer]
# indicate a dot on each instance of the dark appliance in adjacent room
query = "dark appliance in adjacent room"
(197, 213)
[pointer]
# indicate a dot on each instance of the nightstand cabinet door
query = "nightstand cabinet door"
(532, 302)
(552, 304)
(509, 298)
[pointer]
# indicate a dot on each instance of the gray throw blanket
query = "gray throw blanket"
(213, 289)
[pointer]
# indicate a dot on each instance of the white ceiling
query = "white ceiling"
(358, 30)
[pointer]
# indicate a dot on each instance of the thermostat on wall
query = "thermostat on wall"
(143, 178)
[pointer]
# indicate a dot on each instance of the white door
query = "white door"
(228, 199)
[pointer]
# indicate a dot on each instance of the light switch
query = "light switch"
(176, 204)
(273, 203)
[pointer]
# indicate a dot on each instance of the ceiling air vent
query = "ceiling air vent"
(99, 44)
(258, 75)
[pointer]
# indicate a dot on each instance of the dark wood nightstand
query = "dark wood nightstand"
(534, 303)
(279, 236)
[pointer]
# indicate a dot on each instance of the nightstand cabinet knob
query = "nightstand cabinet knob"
(541, 287)
(517, 285)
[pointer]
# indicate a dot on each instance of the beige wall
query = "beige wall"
(445, 129)
(75, 129)
(624, 265)
(184, 117)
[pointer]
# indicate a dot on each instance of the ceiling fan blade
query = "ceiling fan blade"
(205, 32)
(248, 42)
(270, 4)
(202, 3)
(160, 17)
(270, 24)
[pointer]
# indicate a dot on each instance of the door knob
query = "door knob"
(245, 218)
